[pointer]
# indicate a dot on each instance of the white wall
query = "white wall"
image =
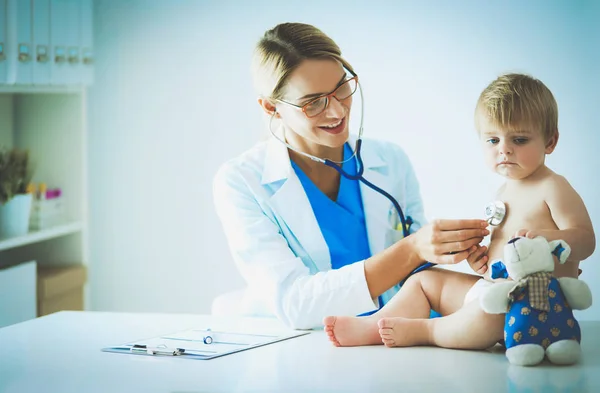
(173, 99)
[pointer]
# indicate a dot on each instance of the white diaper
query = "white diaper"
(477, 289)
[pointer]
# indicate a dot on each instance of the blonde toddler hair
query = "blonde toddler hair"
(516, 102)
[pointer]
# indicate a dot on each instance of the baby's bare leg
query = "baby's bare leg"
(437, 289)
(433, 289)
(468, 328)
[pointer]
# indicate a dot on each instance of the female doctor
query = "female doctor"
(309, 241)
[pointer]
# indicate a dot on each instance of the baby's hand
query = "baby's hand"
(527, 233)
(478, 259)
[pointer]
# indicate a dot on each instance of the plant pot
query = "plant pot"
(14, 216)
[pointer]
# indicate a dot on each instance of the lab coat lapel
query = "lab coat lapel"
(292, 205)
(376, 206)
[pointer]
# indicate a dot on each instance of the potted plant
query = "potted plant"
(15, 201)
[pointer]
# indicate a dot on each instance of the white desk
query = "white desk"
(61, 353)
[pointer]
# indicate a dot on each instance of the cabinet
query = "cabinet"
(50, 124)
(46, 57)
(17, 293)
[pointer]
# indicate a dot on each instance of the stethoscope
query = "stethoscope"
(494, 214)
(494, 211)
(404, 221)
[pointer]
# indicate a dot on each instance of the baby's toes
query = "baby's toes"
(386, 335)
(388, 341)
(386, 323)
(334, 340)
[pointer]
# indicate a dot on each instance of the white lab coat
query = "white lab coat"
(276, 242)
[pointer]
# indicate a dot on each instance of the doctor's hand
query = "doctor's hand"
(449, 241)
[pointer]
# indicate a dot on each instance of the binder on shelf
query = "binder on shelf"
(19, 44)
(3, 41)
(87, 44)
(73, 43)
(46, 42)
(60, 21)
(41, 42)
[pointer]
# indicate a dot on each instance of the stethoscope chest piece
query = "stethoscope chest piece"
(495, 212)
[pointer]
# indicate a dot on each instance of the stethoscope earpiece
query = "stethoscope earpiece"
(495, 212)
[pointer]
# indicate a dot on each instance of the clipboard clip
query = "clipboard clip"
(143, 349)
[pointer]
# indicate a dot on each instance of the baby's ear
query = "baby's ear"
(561, 249)
(551, 143)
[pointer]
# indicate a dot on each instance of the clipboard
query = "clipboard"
(203, 344)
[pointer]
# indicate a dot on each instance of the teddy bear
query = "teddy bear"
(539, 318)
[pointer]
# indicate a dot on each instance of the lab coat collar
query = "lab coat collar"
(277, 164)
(289, 199)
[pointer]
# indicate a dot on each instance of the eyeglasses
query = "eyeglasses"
(318, 105)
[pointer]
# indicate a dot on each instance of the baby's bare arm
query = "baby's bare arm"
(571, 217)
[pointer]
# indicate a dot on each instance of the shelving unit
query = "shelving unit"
(50, 122)
(45, 68)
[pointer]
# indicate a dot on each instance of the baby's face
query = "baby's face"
(514, 154)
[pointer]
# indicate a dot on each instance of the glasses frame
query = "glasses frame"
(328, 96)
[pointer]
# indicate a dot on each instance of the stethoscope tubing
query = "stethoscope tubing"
(359, 177)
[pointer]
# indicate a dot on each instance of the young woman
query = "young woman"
(309, 241)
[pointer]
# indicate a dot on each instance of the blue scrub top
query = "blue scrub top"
(342, 222)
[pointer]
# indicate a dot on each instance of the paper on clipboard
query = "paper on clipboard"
(193, 343)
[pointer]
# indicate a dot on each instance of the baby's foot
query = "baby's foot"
(401, 332)
(352, 331)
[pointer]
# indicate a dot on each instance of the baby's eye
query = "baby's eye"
(521, 141)
(492, 141)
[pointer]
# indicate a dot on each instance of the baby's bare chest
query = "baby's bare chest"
(524, 210)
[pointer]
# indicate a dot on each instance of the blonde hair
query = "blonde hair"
(513, 101)
(281, 50)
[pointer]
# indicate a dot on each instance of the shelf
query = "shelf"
(41, 235)
(40, 89)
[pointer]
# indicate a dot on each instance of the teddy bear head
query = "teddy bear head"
(524, 256)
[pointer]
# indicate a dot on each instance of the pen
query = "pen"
(157, 350)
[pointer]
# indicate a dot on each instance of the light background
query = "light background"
(173, 99)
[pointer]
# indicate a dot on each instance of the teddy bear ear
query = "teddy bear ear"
(561, 249)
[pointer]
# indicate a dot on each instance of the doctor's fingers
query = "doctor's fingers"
(455, 225)
(457, 246)
(441, 237)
